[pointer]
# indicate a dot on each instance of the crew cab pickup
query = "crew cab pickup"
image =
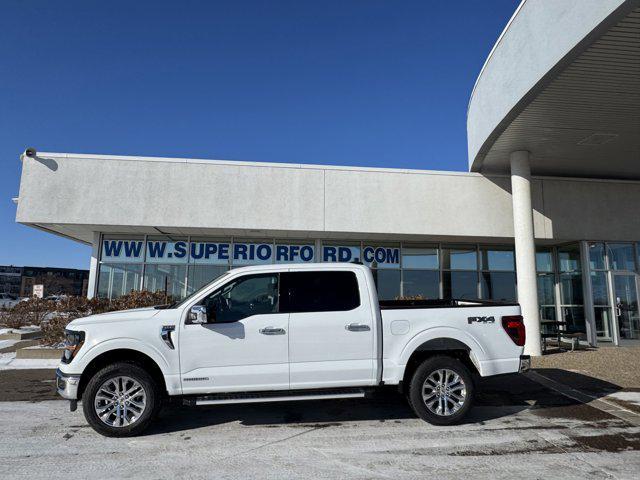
(282, 333)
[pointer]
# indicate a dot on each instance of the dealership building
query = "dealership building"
(548, 213)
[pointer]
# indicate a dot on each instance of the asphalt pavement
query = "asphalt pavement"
(518, 429)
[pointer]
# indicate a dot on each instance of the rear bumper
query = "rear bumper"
(525, 363)
(67, 385)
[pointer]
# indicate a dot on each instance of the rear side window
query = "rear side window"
(318, 292)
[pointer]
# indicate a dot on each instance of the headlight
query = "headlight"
(72, 344)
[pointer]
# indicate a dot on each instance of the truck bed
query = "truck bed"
(441, 303)
(473, 325)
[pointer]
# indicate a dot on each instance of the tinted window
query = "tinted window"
(243, 297)
(387, 283)
(319, 292)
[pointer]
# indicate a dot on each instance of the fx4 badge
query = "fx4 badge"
(470, 320)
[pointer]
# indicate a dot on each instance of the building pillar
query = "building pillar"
(93, 267)
(525, 249)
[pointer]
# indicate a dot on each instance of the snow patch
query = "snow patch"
(8, 361)
(7, 343)
(631, 397)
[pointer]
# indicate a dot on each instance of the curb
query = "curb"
(18, 345)
(601, 404)
(18, 335)
(40, 353)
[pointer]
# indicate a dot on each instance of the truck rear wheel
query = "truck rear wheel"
(121, 400)
(441, 390)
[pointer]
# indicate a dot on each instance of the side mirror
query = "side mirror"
(198, 314)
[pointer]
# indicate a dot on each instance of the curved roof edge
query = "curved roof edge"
(538, 41)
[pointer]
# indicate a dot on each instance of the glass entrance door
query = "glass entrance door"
(625, 290)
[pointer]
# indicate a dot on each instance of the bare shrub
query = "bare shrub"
(54, 316)
(28, 312)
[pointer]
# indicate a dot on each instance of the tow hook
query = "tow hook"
(73, 405)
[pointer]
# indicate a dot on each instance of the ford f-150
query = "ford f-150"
(282, 333)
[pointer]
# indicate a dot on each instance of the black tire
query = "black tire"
(142, 422)
(424, 370)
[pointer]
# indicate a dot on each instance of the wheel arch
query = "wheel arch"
(120, 355)
(439, 346)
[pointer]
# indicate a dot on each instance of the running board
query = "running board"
(275, 396)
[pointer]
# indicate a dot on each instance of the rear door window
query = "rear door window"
(327, 291)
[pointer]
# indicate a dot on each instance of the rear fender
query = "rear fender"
(443, 338)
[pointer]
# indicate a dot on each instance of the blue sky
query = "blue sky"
(346, 82)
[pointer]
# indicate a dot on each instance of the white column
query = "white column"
(525, 249)
(93, 267)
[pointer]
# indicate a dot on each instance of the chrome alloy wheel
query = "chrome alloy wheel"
(120, 401)
(444, 392)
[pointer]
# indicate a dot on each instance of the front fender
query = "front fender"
(86, 355)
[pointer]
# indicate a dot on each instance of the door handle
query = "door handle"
(272, 331)
(357, 327)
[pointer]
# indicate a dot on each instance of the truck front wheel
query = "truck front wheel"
(441, 390)
(121, 400)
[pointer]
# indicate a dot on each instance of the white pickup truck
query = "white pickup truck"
(283, 333)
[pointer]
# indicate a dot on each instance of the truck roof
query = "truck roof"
(282, 267)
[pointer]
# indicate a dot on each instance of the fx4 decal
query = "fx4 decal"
(470, 320)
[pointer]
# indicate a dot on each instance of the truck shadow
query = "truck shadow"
(496, 398)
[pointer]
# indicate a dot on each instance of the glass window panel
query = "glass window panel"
(497, 258)
(544, 260)
(621, 256)
(424, 283)
(420, 257)
(574, 316)
(122, 250)
(210, 252)
(167, 250)
(115, 280)
(251, 253)
(459, 258)
(460, 284)
(166, 278)
(388, 283)
(569, 258)
(294, 252)
(340, 253)
(571, 289)
(596, 256)
(546, 289)
(200, 275)
(602, 316)
(547, 313)
(499, 286)
(381, 256)
(599, 288)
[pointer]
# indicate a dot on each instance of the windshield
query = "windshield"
(197, 292)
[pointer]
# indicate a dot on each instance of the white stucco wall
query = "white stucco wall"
(77, 195)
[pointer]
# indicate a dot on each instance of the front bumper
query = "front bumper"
(525, 363)
(67, 385)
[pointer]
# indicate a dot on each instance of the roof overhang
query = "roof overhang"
(563, 82)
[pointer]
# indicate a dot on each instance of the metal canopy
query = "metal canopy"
(585, 122)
